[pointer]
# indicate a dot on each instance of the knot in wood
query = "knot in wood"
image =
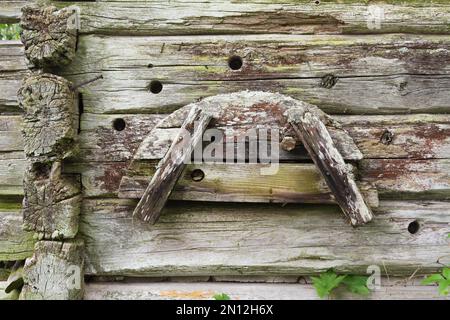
(387, 137)
(328, 81)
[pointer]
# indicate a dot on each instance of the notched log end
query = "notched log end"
(52, 202)
(55, 271)
(50, 117)
(49, 35)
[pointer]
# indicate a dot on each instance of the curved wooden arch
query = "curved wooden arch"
(299, 123)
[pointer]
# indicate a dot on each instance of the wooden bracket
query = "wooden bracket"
(172, 165)
(300, 123)
(317, 141)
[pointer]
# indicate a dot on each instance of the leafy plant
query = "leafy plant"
(441, 279)
(9, 31)
(221, 296)
(328, 281)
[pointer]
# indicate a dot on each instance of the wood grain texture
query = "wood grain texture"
(171, 167)
(10, 11)
(231, 17)
(15, 244)
(246, 291)
(394, 73)
(422, 136)
(216, 239)
(53, 271)
(330, 163)
(293, 183)
(13, 67)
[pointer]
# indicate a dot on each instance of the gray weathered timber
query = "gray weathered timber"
(11, 175)
(50, 117)
(394, 73)
(293, 183)
(216, 239)
(247, 291)
(49, 35)
(13, 67)
(15, 244)
(288, 16)
(10, 11)
(394, 178)
(421, 136)
(339, 178)
(172, 165)
(55, 271)
(52, 201)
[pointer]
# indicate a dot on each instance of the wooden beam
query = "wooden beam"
(171, 166)
(317, 141)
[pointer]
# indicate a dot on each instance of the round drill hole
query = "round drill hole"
(235, 62)
(413, 227)
(155, 86)
(119, 124)
(197, 175)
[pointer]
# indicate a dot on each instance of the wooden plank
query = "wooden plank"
(394, 73)
(422, 136)
(13, 67)
(11, 176)
(297, 183)
(15, 244)
(10, 10)
(216, 239)
(288, 16)
(330, 163)
(245, 291)
(171, 167)
(394, 178)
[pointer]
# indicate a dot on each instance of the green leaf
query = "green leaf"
(434, 278)
(446, 273)
(221, 296)
(326, 283)
(357, 284)
(443, 287)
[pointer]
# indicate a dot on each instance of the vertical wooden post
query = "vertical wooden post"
(317, 141)
(172, 165)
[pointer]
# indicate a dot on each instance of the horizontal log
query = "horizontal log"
(246, 291)
(403, 178)
(422, 136)
(11, 176)
(288, 16)
(215, 239)
(15, 244)
(10, 10)
(244, 183)
(397, 75)
(13, 67)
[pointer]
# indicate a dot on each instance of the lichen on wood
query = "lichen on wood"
(50, 117)
(48, 35)
(52, 201)
(55, 272)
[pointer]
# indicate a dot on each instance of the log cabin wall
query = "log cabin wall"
(385, 77)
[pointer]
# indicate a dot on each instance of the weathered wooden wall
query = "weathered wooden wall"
(395, 78)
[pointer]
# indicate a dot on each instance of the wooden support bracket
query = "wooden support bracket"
(172, 165)
(317, 141)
